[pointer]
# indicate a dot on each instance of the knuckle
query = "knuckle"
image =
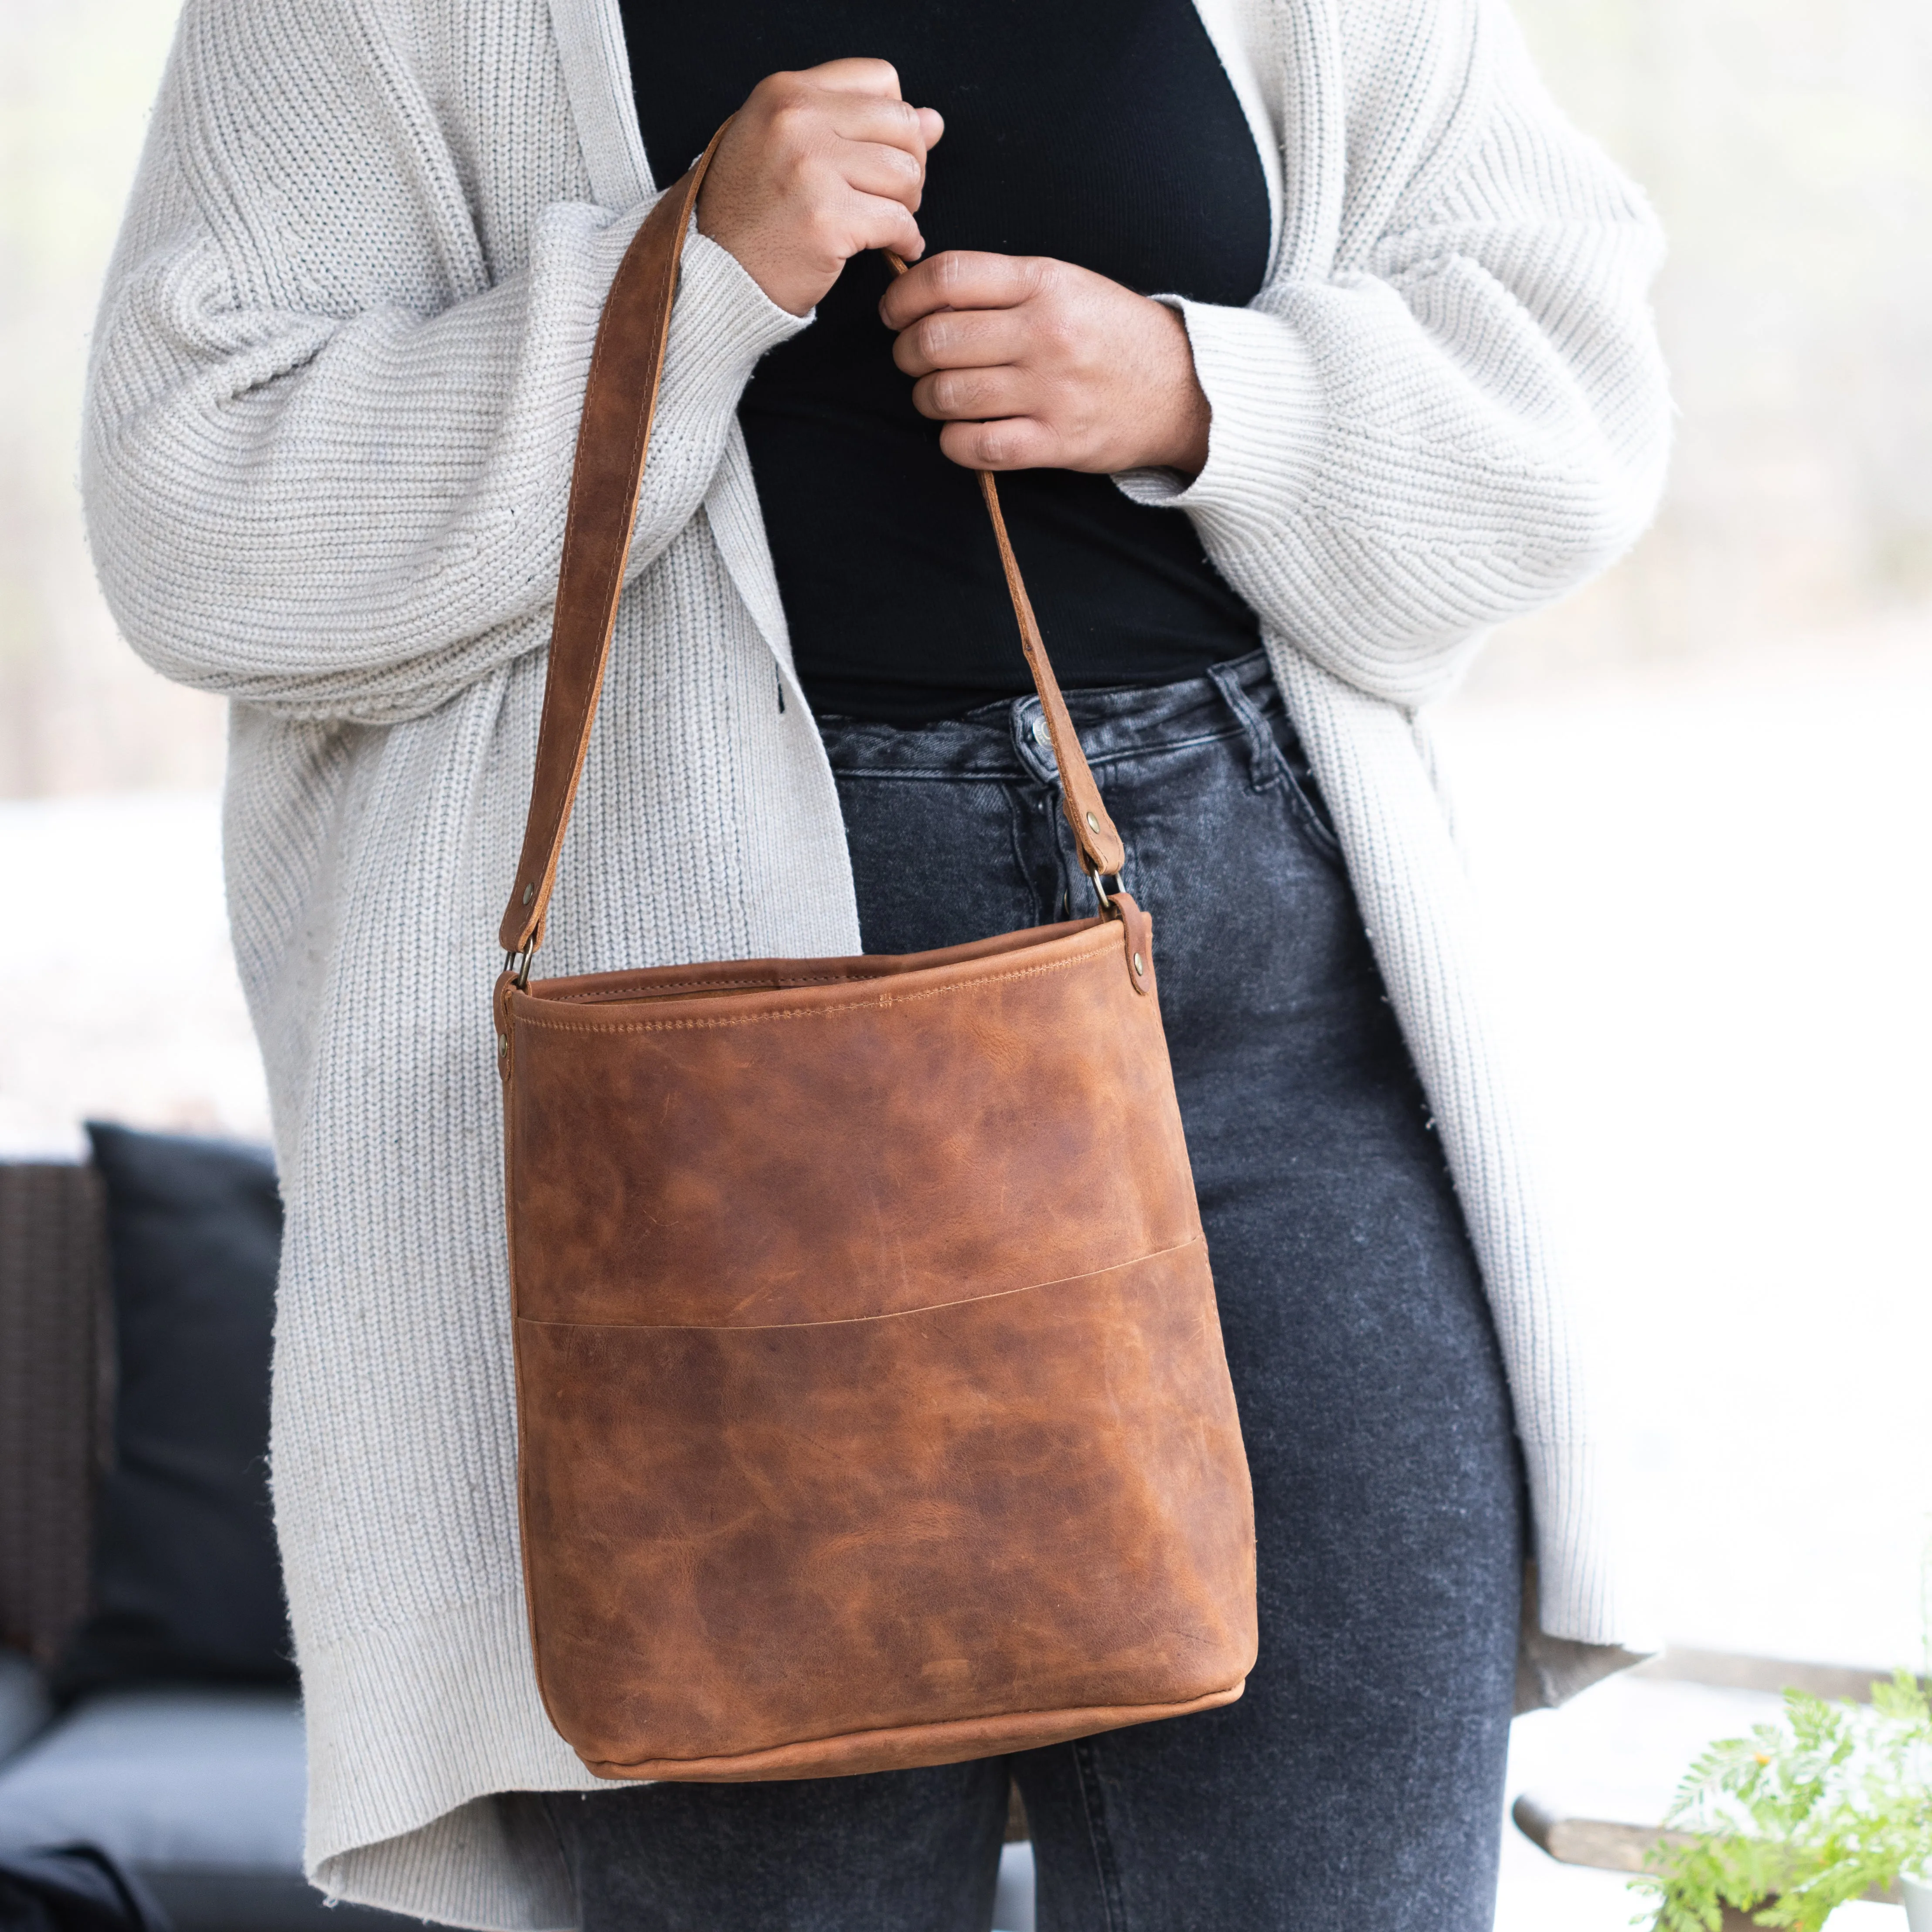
(798, 180)
(1057, 330)
(792, 124)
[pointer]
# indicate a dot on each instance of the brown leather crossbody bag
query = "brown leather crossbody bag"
(872, 1401)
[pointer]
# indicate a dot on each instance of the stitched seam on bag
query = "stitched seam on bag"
(995, 1717)
(807, 1012)
(853, 1320)
(723, 986)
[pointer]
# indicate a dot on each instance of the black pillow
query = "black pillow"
(76, 1888)
(187, 1586)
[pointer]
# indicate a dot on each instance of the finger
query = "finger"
(880, 80)
(855, 76)
(963, 278)
(863, 117)
(890, 173)
(977, 395)
(961, 339)
(877, 221)
(1016, 442)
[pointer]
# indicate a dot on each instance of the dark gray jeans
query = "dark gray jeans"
(1358, 1783)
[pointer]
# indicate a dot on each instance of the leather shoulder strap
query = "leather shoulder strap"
(1101, 851)
(613, 439)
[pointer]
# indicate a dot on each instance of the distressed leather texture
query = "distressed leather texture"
(872, 1407)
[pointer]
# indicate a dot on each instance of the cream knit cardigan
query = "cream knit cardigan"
(333, 396)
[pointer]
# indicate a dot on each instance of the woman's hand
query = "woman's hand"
(816, 168)
(1032, 363)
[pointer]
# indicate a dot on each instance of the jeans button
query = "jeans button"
(1041, 735)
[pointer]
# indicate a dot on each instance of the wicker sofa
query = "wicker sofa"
(199, 1788)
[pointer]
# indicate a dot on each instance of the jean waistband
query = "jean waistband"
(1008, 740)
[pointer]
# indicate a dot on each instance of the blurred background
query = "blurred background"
(1693, 796)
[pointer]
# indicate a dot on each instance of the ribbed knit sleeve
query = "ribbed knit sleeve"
(1464, 413)
(331, 414)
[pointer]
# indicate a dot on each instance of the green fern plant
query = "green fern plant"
(1802, 1816)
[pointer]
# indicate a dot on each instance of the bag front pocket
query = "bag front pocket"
(1032, 1502)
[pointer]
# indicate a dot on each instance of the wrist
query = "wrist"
(776, 276)
(1184, 448)
(1179, 426)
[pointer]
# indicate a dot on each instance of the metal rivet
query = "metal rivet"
(1092, 824)
(1042, 732)
(1138, 968)
(529, 893)
(503, 1039)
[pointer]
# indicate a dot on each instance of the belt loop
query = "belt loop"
(1265, 767)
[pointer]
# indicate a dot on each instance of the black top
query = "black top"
(1101, 132)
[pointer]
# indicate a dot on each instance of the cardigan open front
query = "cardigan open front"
(332, 408)
(1140, 165)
